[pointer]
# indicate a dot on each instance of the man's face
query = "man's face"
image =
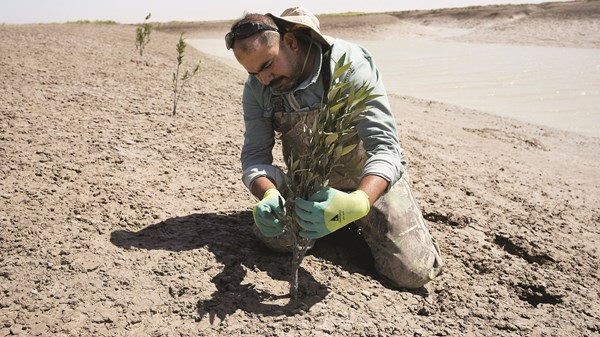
(278, 66)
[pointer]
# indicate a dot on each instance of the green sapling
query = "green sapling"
(142, 35)
(180, 81)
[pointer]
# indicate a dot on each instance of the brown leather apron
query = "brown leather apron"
(294, 125)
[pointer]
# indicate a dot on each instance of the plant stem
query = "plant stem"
(175, 82)
(301, 245)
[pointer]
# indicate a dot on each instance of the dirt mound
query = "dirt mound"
(562, 24)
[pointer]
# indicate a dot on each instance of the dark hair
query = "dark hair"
(266, 37)
(255, 18)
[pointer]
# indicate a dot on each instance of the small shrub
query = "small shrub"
(329, 140)
(142, 35)
(179, 81)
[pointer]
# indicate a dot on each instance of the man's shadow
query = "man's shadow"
(229, 237)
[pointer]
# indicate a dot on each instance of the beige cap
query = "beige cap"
(300, 17)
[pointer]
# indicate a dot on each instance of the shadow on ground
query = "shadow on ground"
(229, 237)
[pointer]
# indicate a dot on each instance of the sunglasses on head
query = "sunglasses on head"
(245, 30)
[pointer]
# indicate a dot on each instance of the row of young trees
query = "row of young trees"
(180, 77)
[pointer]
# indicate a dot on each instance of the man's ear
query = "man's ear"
(289, 39)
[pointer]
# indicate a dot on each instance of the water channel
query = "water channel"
(551, 86)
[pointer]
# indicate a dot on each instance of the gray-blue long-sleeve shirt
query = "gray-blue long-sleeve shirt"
(377, 130)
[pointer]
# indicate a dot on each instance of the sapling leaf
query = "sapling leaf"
(336, 107)
(348, 149)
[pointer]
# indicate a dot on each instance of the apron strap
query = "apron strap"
(326, 70)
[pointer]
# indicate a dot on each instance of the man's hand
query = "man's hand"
(329, 210)
(267, 212)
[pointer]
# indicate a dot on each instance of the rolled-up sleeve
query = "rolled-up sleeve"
(257, 151)
(378, 129)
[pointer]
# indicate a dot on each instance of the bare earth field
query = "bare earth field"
(119, 219)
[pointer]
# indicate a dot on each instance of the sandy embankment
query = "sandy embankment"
(119, 219)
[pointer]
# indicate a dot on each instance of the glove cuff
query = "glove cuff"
(270, 192)
(362, 195)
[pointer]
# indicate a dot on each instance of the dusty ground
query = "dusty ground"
(119, 219)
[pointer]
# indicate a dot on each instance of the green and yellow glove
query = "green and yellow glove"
(329, 210)
(267, 212)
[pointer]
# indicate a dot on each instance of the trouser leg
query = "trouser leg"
(402, 247)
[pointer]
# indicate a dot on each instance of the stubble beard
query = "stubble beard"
(287, 83)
